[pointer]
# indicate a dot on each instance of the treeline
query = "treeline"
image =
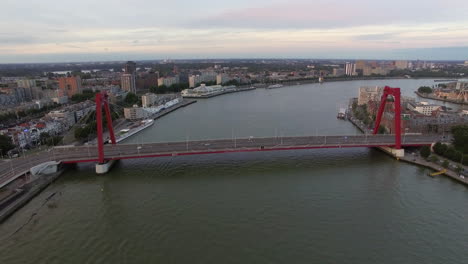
(458, 152)
(90, 127)
(30, 113)
(425, 89)
(175, 88)
(85, 95)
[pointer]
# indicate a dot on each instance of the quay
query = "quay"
(218, 93)
(164, 112)
(426, 96)
(412, 159)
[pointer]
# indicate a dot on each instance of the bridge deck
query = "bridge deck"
(76, 154)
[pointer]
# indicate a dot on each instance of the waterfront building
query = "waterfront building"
(134, 113)
(69, 86)
(168, 81)
(194, 80)
(222, 78)
(149, 99)
(128, 82)
(424, 108)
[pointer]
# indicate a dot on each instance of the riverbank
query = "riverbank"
(21, 195)
(214, 94)
(332, 79)
(184, 103)
(436, 167)
(427, 96)
(415, 159)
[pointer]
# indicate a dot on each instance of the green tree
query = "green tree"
(381, 130)
(425, 151)
(131, 99)
(6, 144)
(434, 159)
(460, 138)
(425, 89)
(445, 164)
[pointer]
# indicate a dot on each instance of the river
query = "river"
(311, 206)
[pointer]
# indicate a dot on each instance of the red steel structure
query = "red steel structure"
(102, 100)
(395, 92)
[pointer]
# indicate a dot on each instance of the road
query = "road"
(74, 154)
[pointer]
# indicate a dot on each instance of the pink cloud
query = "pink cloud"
(335, 14)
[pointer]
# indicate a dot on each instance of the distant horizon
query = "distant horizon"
(227, 59)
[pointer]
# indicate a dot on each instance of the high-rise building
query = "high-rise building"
(26, 83)
(69, 86)
(130, 67)
(128, 82)
(168, 81)
(350, 69)
(194, 80)
(222, 78)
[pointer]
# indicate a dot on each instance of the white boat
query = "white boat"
(127, 132)
(275, 86)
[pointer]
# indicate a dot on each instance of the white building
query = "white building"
(423, 108)
(350, 69)
(194, 80)
(168, 81)
(134, 113)
(149, 99)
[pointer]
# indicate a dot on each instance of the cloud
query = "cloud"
(384, 36)
(322, 14)
(231, 28)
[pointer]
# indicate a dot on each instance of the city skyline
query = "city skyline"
(140, 30)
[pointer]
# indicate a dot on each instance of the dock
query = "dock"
(164, 112)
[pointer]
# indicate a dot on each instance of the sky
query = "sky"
(95, 30)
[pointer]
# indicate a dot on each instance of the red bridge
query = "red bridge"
(103, 154)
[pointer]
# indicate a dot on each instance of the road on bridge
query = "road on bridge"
(74, 154)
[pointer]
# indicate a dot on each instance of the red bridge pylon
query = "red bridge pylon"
(395, 92)
(102, 100)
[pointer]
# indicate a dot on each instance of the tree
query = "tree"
(131, 99)
(445, 164)
(6, 144)
(425, 89)
(425, 151)
(433, 159)
(440, 148)
(381, 130)
(460, 138)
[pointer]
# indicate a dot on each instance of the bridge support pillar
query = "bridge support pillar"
(397, 153)
(103, 168)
